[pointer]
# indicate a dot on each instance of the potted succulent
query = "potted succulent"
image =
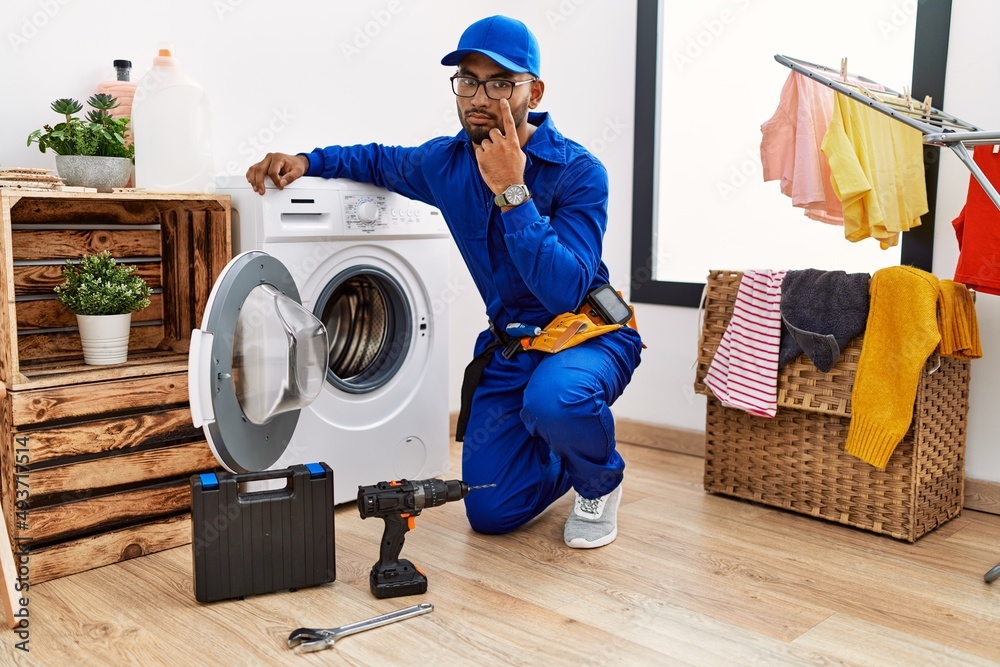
(91, 152)
(103, 294)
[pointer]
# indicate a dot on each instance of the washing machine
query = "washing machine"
(373, 267)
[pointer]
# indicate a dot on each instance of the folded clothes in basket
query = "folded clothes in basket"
(821, 313)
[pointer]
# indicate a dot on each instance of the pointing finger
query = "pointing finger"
(507, 118)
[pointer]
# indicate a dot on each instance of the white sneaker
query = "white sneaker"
(593, 522)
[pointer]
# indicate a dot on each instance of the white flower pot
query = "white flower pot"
(104, 338)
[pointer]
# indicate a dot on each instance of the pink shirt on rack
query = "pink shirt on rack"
(790, 148)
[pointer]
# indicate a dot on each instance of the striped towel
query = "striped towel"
(744, 371)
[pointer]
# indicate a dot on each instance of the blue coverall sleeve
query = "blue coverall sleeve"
(558, 256)
(395, 168)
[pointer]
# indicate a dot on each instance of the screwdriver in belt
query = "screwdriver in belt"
(518, 330)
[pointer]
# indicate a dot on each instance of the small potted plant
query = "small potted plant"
(103, 294)
(91, 152)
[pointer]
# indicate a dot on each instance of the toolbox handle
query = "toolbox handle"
(244, 494)
(263, 475)
(314, 470)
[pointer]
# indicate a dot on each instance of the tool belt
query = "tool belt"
(563, 332)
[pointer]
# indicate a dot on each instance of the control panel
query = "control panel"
(324, 210)
(381, 214)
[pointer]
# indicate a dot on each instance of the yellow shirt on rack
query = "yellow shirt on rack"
(877, 171)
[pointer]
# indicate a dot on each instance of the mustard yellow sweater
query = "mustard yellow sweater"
(901, 332)
(911, 314)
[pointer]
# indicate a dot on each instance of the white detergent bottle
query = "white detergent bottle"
(171, 127)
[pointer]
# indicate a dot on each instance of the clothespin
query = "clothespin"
(843, 69)
(927, 106)
(864, 91)
(907, 99)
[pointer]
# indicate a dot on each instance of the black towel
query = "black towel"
(821, 312)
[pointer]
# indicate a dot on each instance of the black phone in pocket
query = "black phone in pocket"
(610, 305)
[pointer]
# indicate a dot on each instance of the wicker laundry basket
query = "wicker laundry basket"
(797, 461)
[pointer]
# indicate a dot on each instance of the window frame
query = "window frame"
(930, 58)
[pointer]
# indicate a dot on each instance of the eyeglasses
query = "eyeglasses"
(496, 89)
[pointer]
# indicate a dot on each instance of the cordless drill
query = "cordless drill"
(398, 503)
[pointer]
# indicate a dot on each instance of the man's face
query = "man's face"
(480, 114)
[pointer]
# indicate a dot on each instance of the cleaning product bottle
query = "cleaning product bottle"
(121, 88)
(172, 130)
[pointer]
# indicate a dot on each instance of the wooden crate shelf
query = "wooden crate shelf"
(108, 449)
(179, 242)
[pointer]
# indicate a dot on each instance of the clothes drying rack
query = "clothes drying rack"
(938, 128)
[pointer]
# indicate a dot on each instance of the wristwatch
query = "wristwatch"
(513, 195)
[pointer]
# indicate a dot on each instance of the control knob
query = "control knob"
(368, 211)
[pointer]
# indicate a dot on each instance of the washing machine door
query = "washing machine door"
(258, 358)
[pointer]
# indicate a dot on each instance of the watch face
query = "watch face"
(515, 194)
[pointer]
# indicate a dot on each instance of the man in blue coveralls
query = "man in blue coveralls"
(528, 210)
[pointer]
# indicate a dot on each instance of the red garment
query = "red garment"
(978, 230)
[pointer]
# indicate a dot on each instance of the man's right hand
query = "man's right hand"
(282, 168)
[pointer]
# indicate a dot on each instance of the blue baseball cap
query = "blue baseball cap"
(505, 41)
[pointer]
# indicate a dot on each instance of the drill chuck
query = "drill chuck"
(434, 492)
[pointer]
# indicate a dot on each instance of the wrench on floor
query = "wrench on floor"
(315, 639)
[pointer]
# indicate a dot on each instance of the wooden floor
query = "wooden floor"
(693, 579)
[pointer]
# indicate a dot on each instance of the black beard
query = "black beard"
(477, 133)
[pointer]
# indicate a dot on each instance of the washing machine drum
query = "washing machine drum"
(258, 359)
(370, 324)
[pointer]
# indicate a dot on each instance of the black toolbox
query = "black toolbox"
(254, 542)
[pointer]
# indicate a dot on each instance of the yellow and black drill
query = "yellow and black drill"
(398, 503)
